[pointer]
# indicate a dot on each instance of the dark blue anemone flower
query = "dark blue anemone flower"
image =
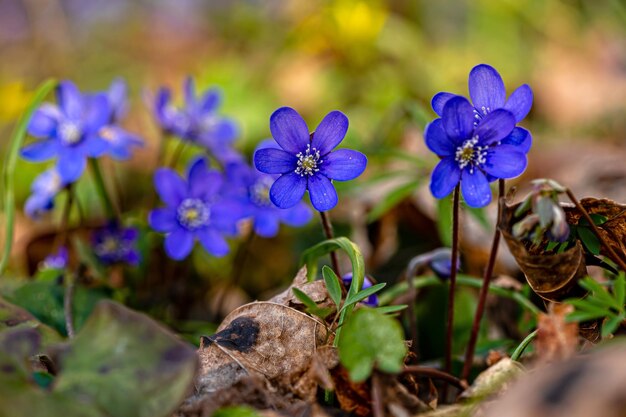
(57, 260)
(488, 94)
(194, 210)
(114, 244)
(372, 300)
(252, 189)
(70, 131)
(44, 188)
(307, 160)
(470, 152)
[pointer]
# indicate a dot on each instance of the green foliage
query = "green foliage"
(371, 339)
(332, 284)
(392, 199)
(601, 304)
(444, 221)
(236, 412)
(311, 306)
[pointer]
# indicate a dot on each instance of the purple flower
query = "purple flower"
(117, 96)
(252, 189)
(472, 151)
(194, 210)
(439, 260)
(306, 161)
(197, 121)
(56, 260)
(372, 300)
(44, 188)
(488, 94)
(114, 244)
(70, 131)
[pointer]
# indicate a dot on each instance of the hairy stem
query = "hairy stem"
(110, 209)
(378, 408)
(328, 232)
(455, 259)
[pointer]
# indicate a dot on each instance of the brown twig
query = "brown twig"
(378, 408)
(436, 374)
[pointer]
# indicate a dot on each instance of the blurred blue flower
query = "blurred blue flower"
(194, 210)
(372, 300)
(70, 131)
(114, 244)
(306, 161)
(487, 92)
(438, 260)
(117, 94)
(469, 152)
(57, 260)
(44, 188)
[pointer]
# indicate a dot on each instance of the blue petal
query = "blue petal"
(267, 143)
(475, 188)
(289, 130)
(213, 242)
(266, 224)
(519, 137)
(205, 185)
(162, 108)
(505, 161)
(225, 130)
(486, 89)
(211, 100)
(437, 140)
(274, 161)
(495, 126)
(322, 193)
(458, 119)
(330, 132)
(98, 113)
(40, 151)
(70, 100)
(439, 101)
(117, 98)
(170, 187)
(178, 244)
(225, 214)
(343, 164)
(37, 204)
(520, 102)
(93, 146)
(288, 190)
(71, 165)
(445, 177)
(44, 121)
(298, 215)
(163, 219)
(189, 89)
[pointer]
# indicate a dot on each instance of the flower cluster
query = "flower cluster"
(114, 244)
(478, 142)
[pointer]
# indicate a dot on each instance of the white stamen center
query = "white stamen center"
(70, 133)
(260, 192)
(193, 213)
(470, 154)
(308, 162)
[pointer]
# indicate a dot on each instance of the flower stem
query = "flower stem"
(594, 229)
(378, 409)
(328, 232)
(68, 301)
(482, 298)
(435, 373)
(455, 259)
(522, 346)
(102, 190)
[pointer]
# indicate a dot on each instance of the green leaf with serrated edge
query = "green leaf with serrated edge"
(611, 325)
(370, 339)
(332, 284)
(619, 290)
(9, 165)
(362, 295)
(591, 241)
(392, 199)
(391, 309)
(444, 221)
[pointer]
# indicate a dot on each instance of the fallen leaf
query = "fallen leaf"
(556, 338)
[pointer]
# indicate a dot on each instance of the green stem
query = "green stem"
(102, 190)
(522, 346)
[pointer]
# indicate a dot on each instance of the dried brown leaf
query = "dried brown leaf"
(556, 338)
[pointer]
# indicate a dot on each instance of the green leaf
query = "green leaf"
(239, 411)
(394, 197)
(9, 165)
(619, 290)
(86, 255)
(585, 316)
(391, 309)
(591, 242)
(444, 221)
(370, 339)
(611, 325)
(599, 293)
(311, 305)
(362, 295)
(332, 284)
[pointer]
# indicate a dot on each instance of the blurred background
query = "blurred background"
(378, 61)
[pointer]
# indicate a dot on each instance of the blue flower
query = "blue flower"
(306, 161)
(117, 96)
(70, 131)
(252, 189)
(471, 151)
(372, 300)
(488, 94)
(194, 210)
(114, 244)
(56, 260)
(197, 121)
(44, 188)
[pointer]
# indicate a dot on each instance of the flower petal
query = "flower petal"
(189, 89)
(287, 190)
(520, 102)
(70, 99)
(475, 188)
(519, 137)
(44, 121)
(330, 132)
(343, 164)
(213, 242)
(40, 151)
(116, 94)
(163, 219)
(224, 131)
(486, 88)
(274, 161)
(170, 187)
(289, 130)
(266, 224)
(445, 177)
(71, 165)
(225, 214)
(505, 161)
(178, 244)
(93, 146)
(97, 113)
(322, 193)
(37, 204)
(440, 100)
(458, 119)
(298, 215)
(495, 126)
(437, 140)
(211, 100)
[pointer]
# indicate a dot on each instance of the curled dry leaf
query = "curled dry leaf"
(556, 338)
(494, 380)
(316, 290)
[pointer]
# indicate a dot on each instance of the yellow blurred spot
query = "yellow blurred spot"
(358, 21)
(13, 100)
